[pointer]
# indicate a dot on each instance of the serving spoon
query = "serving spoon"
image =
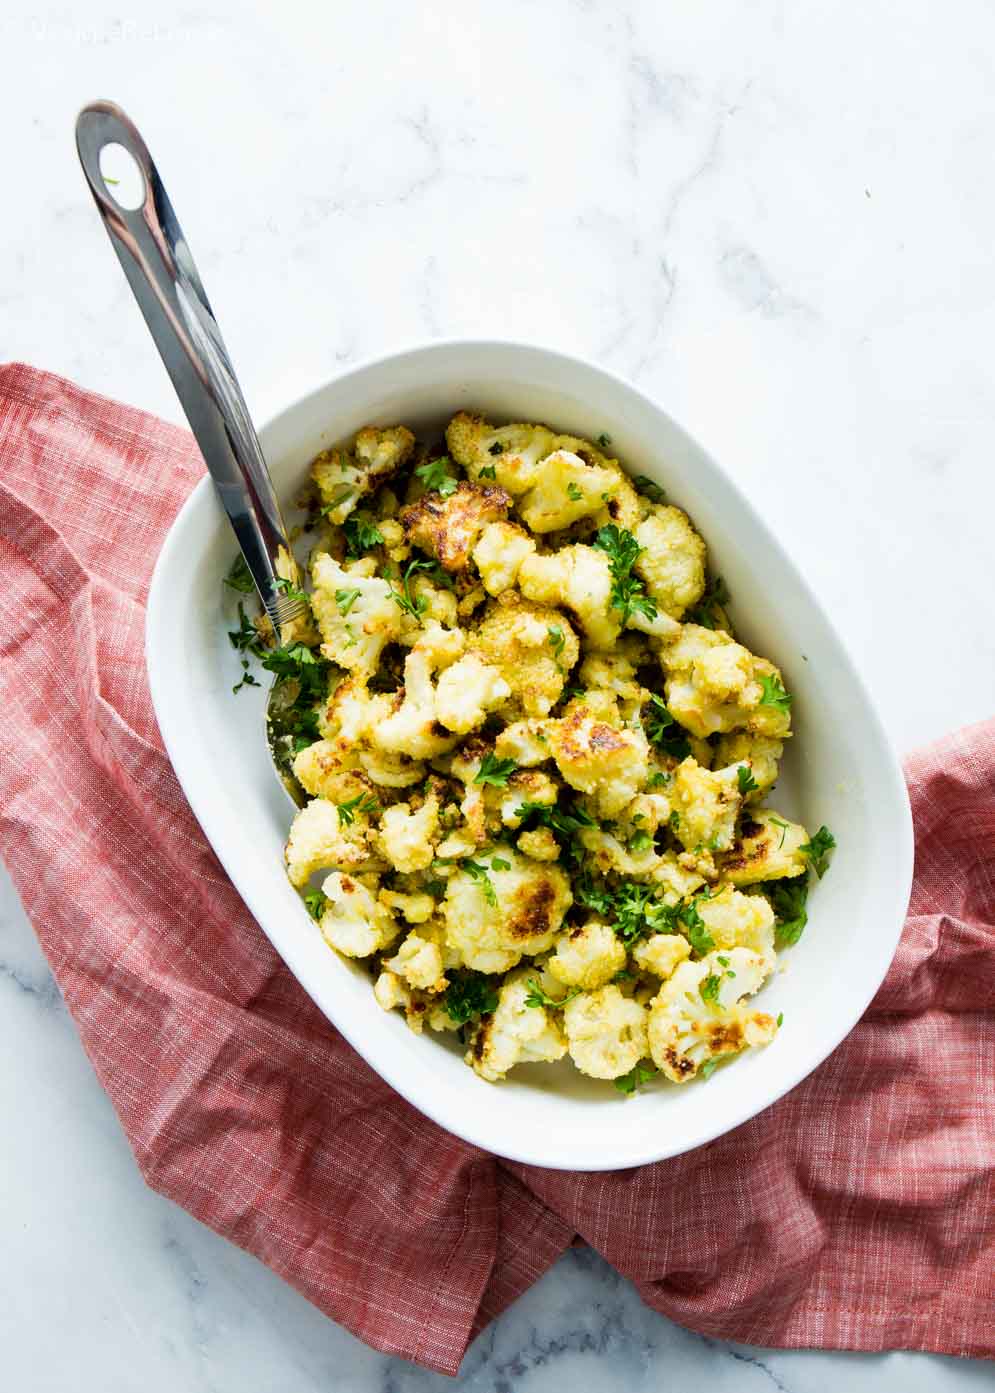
(156, 260)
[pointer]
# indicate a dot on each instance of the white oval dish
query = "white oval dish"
(839, 770)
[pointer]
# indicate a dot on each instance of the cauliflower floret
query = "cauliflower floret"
(343, 477)
(356, 613)
(615, 672)
(419, 962)
(687, 1028)
(448, 526)
(499, 554)
(318, 841)
(325, 770)
(598, 759)
(390, 992)
(761, 753)
(540, 844)
(526, 742)
(587, 957)
(354, 922)
(606, 1032)
(506, 908)
(705, 805)
(769, 848)
(406, 835)
(714, 684)
(606, 853)
(661, 954)
(623, 505)
(514, 1033)
(579, 578)
(672, 560)
(351, 712)
(525, 786)
(565, 489)
(513, 452)
(735, 920)
(413, 729)
(467, 691)
(676, 881)
(533, 646)
(416, 908)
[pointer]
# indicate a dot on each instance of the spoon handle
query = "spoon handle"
(156, 259)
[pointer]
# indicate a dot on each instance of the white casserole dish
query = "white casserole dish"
(839, 770)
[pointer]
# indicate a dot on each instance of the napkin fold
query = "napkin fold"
(856, 1213)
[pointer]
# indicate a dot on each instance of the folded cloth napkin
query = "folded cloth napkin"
(857, 1213)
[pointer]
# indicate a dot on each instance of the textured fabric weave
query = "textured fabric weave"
(859, 1212)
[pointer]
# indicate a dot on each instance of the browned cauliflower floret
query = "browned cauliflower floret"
(515, 1033)
(696, 1015)
(467, 691)
(715, 684)
(525, 742)
(504, 907)
(606, 1032)
(419, 962)
(449, 526)
(769, 848)
(354, 921)
(579, 578)
(587, 957)
(615, 671)
(318, 841)
(704, 806)
(540, 844)
(534, 647)
(564, 490)
(512, 452)
(734, 920)
(407, 835)
(661, 954)
(598, 759)
(672, 560)
(760, 753)
(326, 770)
(356, 613)
(344, 476)
(413, 728)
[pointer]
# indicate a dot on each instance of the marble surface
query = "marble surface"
(776, 217)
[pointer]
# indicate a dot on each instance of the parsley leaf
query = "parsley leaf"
(627, 592)
(706, 611)
(640, 841)
(780, 1019)
(498, 863)
(635, 1078)
(488, 472)
(363, 803)
(708, 1069)
(435, 478)
(238, 578)
(478, 873)
(496, 449)
(697, 933)
(288, 588)
(604, 440)
(345, 599)
(774, 693)
(316, 902)
(538, 997)
(747, 783)
(574, 493)
(470, 994)
(664, 732)
(413, 605)
(246, 639)
(557, 640)
(652, 490)
(709, 987)
(494, 771)
(361, 533)
(565, 822)
(788, 899)
(818, 849)
(658, 779)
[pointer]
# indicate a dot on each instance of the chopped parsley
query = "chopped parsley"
(817, 850)
(674, 821)
(288, 588)
(627, 592)
(363, 804)
(574, 492)
(247, 679)
(361, 533)
(640, 841)
(557, 640)
(708, 1069)
(709, 987)
(488, 472)
(246, 638)
(706, 611)
(564, 822)
(788, 899)
(469, 995)
(780, 1019)
(538, 997)
(635, 1078)
(747, 783)
(496, 449)
(494, 771)
(415, 605)
(238, 578)
(779, 822)
(345, 599)
(774, 693)
(658, 779)
(697, 933)
(663, 731)
(652, 490)
(478, 873)
(498, 863)
(436, 478)
(604, 440)
(316, 902)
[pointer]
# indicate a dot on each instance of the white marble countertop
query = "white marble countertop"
(777, 218)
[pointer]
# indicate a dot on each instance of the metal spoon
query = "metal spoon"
(157, 262)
